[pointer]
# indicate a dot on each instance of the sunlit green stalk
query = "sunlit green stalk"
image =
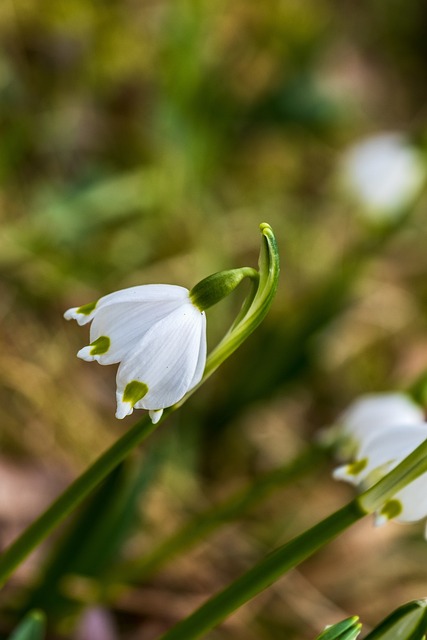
(263, 574)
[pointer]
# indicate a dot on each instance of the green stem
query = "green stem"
(227, 511)
(411, 467)
(72, 497)
(262, 575)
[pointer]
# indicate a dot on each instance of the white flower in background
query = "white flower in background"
(371, 415)
(157, 335)
(384, 173)
(380, 455)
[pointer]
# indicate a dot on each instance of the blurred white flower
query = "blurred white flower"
(384, 173)
(379, 431)
(377, 457)
(372, 414)
(159, 337)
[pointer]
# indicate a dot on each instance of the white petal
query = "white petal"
(149, 293)
(145, 293)
(201, 362)
(165, 359)
(380, 519)
(379, 456)
(155, 415)
(125, 324)
(85, 354)
(387, 449)
(82, 318)
(344, 473)
(375, 413)
(384, 172)
(414, 500)
(123, 408)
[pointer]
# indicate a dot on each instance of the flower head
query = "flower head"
(379, 456)
(384, 173)
(157, 335)
(386, 428)
(371, 414)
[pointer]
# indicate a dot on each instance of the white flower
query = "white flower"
(385, 173)
(371, 415)
(380, 455)
(157, 335)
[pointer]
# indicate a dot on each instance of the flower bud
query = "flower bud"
(384, 174)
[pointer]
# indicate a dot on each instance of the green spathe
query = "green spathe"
(134, 391)
(217, 286)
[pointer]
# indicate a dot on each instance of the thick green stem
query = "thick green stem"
(72, 497)
(250, 584)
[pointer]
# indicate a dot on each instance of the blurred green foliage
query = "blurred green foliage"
(145, 142)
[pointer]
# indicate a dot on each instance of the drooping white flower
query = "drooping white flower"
(377, 457)
(372, 414)
(157, 334)
(384, 173)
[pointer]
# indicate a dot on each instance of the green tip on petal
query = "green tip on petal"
(100, 346)
(134, 391)
(354, 468)
(87, 309)
(391, 509)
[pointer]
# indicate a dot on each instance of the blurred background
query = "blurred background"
(142, 142)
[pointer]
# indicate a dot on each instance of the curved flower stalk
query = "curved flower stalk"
(256, 305)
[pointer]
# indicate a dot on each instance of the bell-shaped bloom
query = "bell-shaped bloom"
(384, 173)
(157, 335)
(371, 415)
(379, 455)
